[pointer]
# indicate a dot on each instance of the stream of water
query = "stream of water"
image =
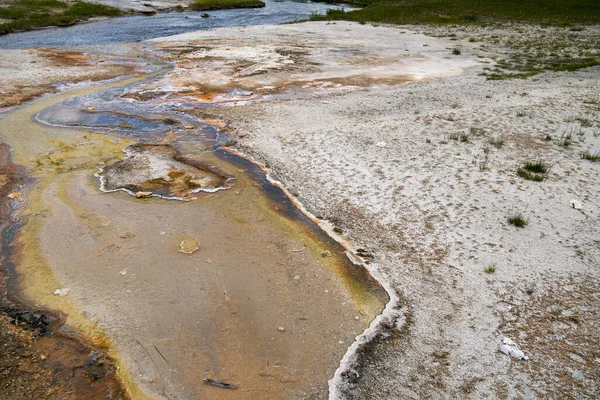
(138, 28)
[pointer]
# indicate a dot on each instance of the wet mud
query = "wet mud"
(37, 360)
(237, 287)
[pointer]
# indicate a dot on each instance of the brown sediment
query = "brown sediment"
(37, 359)
(64, 58)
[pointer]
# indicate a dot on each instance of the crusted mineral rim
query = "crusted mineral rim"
(160, 171)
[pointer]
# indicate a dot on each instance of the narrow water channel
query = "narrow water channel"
(235, 285)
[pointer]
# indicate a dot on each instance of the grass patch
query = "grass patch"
(456, 52)
(460, 137)
(31, 14)
(593, 157)
(518, 220)
(534, 170)
(465, 12)
(566, 140)
(532, 55)
(206, 5)
(490, 269)
(537, 166)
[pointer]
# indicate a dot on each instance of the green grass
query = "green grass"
(31, 14)
(534, 170)
(553, 12)
(518, 220)
(593, 157)
(490, 269)
(531, 55)
(537, 166)
(205, 5)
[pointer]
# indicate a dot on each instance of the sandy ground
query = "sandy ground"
(386, 164)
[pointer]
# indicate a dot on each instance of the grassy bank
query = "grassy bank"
(553, 12)
(531, 51)
(20, 15)
(206, 5)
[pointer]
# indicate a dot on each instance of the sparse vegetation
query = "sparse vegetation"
(566, 140)
(490, 269)
(537, 166)
(517, 219)
(497, 142)
(534, 170)
(483, 164)
(593, 157)
(460, 137)
(531, 55)
(456, 52)
(206, 5)
(585, 122)
(30, 14)
(477, 131)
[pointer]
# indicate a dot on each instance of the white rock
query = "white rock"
(509, 347)
(62, 292)
(576, 204)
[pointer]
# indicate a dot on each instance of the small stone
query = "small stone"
(510, 348)
(123, 273)
(281, 329)
(576, 204)
(14, 195)
(326, 253)
(61, 292)
(143, 195)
